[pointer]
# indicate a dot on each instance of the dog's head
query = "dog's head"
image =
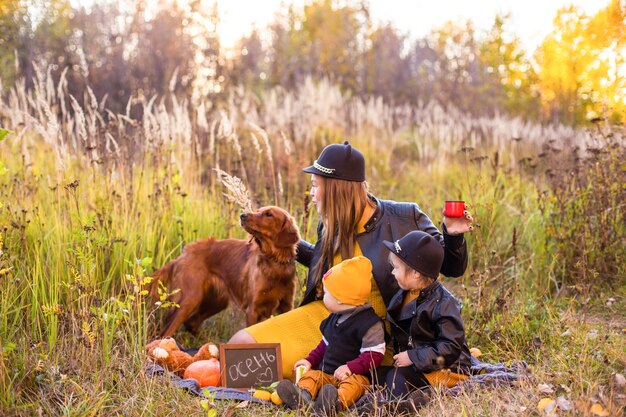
(272, 225)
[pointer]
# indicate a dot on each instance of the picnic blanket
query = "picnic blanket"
(191, 385)
(482, 374)
(492, 374)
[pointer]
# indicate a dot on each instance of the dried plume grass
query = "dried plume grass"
(284, 125)
(236, 190)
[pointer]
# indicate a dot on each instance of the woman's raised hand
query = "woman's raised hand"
(458, 225)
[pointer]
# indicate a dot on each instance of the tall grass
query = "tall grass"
(93, 202)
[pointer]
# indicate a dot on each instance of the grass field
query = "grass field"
(92, 202)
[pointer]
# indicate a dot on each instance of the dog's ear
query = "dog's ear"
(288, 234)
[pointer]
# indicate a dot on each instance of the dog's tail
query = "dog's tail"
(164, 275)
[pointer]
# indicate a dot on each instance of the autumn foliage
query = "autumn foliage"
(132, 49)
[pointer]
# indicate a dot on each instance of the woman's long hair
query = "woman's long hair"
(343, 204)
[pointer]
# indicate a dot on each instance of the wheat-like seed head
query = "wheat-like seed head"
(237, 192)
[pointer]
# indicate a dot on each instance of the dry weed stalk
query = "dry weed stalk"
(237, 192)
(269, 157)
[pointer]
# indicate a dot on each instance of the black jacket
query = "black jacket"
(430, 329)
(344, 340)
(390, 221)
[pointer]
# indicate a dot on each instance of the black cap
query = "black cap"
(420, 251)
(342, 162)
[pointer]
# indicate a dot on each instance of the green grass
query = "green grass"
(80, 241)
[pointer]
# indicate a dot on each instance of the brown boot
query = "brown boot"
(293, 396)
(420, 397)
(327, 401)
(416, 400)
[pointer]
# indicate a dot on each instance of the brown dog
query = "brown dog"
(259, 273)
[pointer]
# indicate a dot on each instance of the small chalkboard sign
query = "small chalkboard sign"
(246, 365)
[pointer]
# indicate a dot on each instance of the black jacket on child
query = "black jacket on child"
(430, 329)
(343, 339)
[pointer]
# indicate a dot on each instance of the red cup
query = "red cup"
(454, 208)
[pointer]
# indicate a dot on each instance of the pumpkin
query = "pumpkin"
(206, 372)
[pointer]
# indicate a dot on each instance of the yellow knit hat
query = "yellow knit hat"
(350, 281)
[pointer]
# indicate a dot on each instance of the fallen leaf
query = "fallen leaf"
(243, 404)
(598, 410)
(547, 406)
(545, 389)
(563, 403)
(476, 352)
(620, 381)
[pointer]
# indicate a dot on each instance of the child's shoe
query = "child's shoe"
(420, 397)
(327, 401)
(375, 404)
(416, 400)
(370, 403)
(293, 396)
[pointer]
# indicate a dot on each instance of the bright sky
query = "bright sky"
(531, 19)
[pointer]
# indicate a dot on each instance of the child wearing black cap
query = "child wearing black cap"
(353, 343)
(426, 325)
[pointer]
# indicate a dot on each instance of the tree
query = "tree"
(423, 67)
(506, 78)
(288, 54)
(324, 41)
(101, 48)
(249, 66)
(561, 58)
(161, 48)
(456, 66)
(32, 31)
(333, 35)
(606, 78)
(582, 65)
(385, 69)
(14, 19)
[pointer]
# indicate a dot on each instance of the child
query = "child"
(353, 343)
(425, 322)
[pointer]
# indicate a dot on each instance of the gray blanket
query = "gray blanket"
(192, 385)
(492, 374)
(482, 374)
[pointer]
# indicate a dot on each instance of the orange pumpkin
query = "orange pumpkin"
(206, 372)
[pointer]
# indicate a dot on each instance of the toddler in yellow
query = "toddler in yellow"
(353, 343)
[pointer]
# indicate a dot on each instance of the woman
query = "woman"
(353, 222)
